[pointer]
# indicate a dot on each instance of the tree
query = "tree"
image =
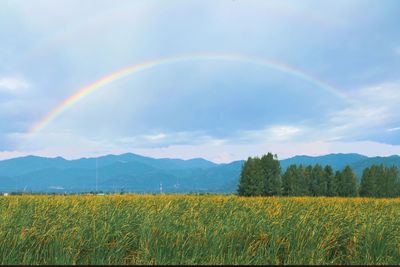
(307, 177)
(397, 182)
(348, 186)
(260, 177)
(317, 181)
(245, 179)
(302, 181)
(380, 181)
(328, 174)
(391, 181)
(272, 174)
(337, 184)
(398, 185)
(294, 181)
(378, 174)
(288, 182)
(367, 184)
(251, 180)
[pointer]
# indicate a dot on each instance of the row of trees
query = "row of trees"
(318, 181)
(262, 177)
(380, 181)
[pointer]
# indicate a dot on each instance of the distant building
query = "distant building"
(5, 194)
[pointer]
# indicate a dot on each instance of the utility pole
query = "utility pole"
(160, 187)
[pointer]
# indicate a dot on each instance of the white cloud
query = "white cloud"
(373, 109)
(393, 129)
(13, 85)
(155, 137)
(284, 132)
(273, 133)
(166, 139)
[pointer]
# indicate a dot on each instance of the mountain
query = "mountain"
(136, 173)
(23, 165)
(359, 166)
(128, 172)
(337, 161)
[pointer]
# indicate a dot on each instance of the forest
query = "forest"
(264, 177)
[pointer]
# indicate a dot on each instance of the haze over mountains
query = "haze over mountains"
(134, 173)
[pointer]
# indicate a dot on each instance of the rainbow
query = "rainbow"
(119, 74)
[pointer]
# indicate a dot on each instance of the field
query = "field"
(178, 229)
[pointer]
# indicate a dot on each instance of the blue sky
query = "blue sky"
(219, 110)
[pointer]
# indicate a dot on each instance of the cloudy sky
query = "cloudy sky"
(331, 82)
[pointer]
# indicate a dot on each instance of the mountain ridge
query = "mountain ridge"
(137, 173)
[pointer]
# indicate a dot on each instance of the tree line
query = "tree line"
(263, 177)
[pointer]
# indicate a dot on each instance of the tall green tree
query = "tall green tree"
(294, 181)
(308, 178)
(337, 184)
(260, 177)
(348, 186)
(303, 180)
(288, 181)
(378, 172)
(391, 181)
(317, 181)
(251, 178)
(397, 183)
(380, 181)
(367, 184)
(328, 174)
(244, 181)
(272, 174)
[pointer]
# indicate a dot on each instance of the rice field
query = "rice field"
(187, 229)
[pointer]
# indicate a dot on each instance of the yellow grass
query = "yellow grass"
(185, 229)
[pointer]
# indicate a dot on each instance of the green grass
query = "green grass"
(198, 230)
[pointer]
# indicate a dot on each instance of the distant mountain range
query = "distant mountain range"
(134, 173)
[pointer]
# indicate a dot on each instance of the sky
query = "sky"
(288, 77)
